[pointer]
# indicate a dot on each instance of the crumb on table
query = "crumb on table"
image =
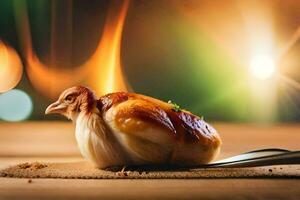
(33, 166)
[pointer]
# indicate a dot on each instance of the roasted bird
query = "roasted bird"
(124, 129)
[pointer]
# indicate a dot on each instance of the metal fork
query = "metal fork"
(260, 157)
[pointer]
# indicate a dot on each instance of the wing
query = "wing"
(144, 130)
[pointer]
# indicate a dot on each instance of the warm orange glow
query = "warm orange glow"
(10, 68)
(102, 71)
(242, 29)
(107, 73)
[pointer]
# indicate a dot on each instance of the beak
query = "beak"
(55, 108)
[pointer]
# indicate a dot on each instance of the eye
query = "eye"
(70, 98)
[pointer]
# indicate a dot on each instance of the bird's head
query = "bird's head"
(72, 101)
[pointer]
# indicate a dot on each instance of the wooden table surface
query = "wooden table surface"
(55, 142)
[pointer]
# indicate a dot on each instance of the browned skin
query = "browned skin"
(183, 126)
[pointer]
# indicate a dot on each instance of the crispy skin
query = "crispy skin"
(183, 126)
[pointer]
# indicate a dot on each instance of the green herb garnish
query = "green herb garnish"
(176, 107)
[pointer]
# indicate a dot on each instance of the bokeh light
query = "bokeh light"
(15, 105)
(262, 67)
(226, 57)
(10, 68)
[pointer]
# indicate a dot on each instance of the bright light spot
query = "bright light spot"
(15, 105)
(11, 68)
(262, 67)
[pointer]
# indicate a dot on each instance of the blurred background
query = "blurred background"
(227, 60)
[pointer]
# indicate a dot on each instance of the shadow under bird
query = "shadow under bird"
(125, 129)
